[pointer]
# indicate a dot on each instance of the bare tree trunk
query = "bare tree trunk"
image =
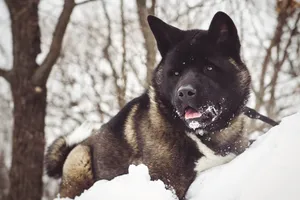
(28, 142)
(150, 44)
(28, 84)
(29, 107)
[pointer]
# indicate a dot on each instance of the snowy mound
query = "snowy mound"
(136, 185)
(269, 169)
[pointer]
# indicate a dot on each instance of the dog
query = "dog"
(189, 120)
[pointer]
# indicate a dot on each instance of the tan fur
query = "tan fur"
(157, 123)
(243, 74)
(77, 172)
(154, 134)
(235, 127)
(55, 154)
(233, 62)
(234, 134)
(154, 116)
(55, 157)
(130, 133)
(152, 130)
(244, 78)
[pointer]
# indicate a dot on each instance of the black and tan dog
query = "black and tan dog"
(188, 121)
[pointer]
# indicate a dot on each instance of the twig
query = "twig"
(276, 38)
(118, 88)
(279, 64)
(42, 73)
(84, 2)
(124, 53)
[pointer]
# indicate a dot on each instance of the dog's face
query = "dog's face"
(201, 75)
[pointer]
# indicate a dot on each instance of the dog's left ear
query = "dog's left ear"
(223, 31)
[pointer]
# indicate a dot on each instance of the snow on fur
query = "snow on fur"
(81, 133)
(269, 169)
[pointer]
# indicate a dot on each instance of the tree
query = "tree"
(149, 44)
(27, 81)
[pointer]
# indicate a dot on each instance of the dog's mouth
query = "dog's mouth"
(191, 113)
(200, 118)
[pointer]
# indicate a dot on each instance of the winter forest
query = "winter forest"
(67, 61)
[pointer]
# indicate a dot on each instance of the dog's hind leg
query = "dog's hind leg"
(77, 172)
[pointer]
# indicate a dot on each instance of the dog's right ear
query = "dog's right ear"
(166, 36)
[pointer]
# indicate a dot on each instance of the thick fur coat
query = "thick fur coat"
(187, 121)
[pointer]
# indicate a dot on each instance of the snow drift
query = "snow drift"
(269, 169)
(135, 185)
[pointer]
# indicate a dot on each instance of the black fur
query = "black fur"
(190, 54)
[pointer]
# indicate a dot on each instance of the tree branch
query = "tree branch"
(42, 73)
(149, 43)
(124, 53)
(84, 2)
(5, 74)
(281, 21)
(278, 67)
(116, 77)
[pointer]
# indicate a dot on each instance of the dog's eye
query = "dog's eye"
(173, 73)
(209, 68)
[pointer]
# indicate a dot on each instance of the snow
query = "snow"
(210, 159)
(194, 125)
(135, 185)
(81, 133)
(269, 169)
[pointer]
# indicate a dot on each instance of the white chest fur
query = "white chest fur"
(210, 159)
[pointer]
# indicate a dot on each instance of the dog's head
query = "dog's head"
(201, 76)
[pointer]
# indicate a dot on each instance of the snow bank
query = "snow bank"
(269, 169)
(136, 185)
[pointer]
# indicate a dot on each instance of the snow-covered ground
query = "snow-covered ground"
(268, 170)
(135, 185)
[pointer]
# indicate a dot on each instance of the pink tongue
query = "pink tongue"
(191, 114)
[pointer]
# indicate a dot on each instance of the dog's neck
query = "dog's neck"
(232, 139)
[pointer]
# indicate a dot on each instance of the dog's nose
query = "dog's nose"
(186, 92)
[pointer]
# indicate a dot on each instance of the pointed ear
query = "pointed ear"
(166, 36)
(223, 31)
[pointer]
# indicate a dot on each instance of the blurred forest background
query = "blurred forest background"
(63, 62)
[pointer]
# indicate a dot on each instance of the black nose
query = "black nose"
(186, 92)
